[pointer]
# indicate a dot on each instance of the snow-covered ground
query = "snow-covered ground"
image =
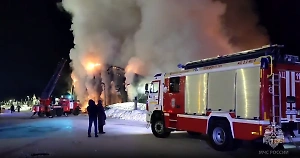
(23, 108)
(125, 111)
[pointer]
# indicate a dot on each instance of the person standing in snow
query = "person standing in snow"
(92, 110)
(101, 117)
(18, 108)
(12, 108)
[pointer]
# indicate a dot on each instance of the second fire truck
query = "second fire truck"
(230, 98)
(48, 107)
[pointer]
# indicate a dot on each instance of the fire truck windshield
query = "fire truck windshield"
(154, 87)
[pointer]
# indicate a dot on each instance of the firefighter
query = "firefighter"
(12, 108)
(18, 108)
(101, 117)
(92, 110)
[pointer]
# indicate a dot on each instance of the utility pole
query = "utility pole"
(135, 102)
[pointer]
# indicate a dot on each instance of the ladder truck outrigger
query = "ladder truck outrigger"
(65, 106)
(230, 98)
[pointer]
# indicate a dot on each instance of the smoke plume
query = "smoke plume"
(152, 36)
(241, 25)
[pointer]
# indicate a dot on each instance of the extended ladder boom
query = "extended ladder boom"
(52, 83)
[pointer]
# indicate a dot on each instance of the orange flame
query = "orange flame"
(92, 66)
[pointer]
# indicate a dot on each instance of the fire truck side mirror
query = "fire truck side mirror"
(264, 63)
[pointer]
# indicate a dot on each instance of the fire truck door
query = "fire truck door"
(290, 92)
(174, 97)
(153, 97)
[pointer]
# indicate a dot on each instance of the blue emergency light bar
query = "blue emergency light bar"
(180, 66)
(291, 58)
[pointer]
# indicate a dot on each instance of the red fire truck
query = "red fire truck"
(230, 98)
(48, 107)
(65, 106)
(68, 106)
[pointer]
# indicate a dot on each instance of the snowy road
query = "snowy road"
(67, 136)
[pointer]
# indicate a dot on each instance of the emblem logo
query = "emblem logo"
(273, 135)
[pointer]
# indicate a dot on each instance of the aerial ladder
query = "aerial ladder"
(45, 108)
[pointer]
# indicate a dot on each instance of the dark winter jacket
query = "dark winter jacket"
(12, 108)
(92, 109)
(101, 114)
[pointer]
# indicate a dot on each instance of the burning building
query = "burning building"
(117, 90)
(108, 83)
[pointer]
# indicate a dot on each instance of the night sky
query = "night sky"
(35, 35)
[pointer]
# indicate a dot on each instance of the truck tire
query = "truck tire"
(59, 112)
(41, 114)
(48, 114)
(159, 130)
(220, 137)
(76, 111)
(52, 113)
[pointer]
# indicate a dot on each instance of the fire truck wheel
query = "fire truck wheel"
(220, 137)
(41, 114)
(48, 114)
(76, 112)
(59, 112)
(52, 113)
(159, 130)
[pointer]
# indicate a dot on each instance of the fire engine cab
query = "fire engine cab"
(69, 105)
(230, 98)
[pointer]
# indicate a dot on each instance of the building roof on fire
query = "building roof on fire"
(244, 55)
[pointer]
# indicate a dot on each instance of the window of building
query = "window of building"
(174, 84)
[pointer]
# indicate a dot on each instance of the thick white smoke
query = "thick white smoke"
(145, 36)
